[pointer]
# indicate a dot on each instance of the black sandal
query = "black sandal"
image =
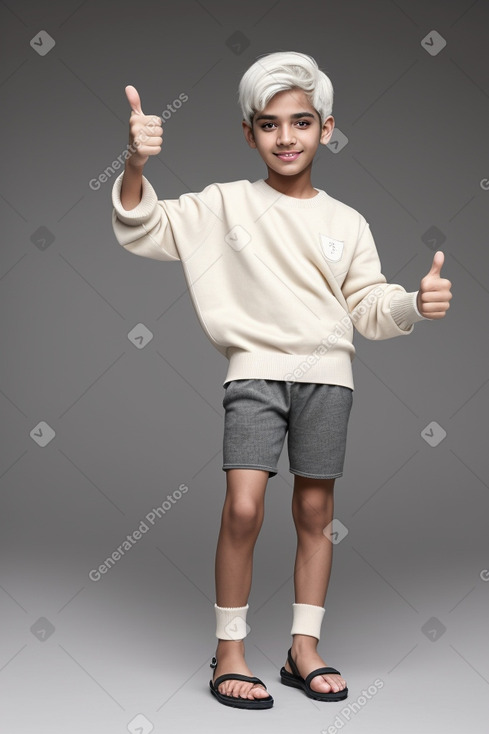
(295, 680)
(239, 703)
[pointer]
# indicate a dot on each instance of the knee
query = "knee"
(243, 516)
(312, 514)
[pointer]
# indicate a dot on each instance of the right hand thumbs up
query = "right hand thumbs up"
(145, 131)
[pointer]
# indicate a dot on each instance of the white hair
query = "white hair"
(280, 71)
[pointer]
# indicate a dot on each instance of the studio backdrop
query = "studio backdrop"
(111, 394)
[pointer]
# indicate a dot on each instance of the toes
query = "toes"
(327, 684)
(321, 685)
(333, 684)
(227, 689)
(258, 692)
(253, 692)
(239, 690)
(337, 683)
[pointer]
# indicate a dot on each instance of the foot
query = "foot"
(307, 659)
(230, 659)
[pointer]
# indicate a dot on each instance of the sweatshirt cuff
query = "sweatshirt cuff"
(143, 211)
(404, 311)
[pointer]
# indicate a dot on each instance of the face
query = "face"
(287, 133)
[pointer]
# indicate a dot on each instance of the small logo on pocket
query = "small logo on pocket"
(332, 249)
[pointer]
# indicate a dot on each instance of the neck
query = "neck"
(299, 185)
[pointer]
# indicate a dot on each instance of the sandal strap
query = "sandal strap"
(319, 671)
(292, 664)
(237, 676)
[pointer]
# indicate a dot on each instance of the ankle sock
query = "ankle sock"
(307, 619)
(231, 622)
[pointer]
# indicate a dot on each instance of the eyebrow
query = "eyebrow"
(295, 116)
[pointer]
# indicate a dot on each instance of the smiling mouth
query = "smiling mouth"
(289, 153)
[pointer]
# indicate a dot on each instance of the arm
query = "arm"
(145, 139)
(160, 230)
(379, 310)
(138, 223)
(170, 229)
(132, 185)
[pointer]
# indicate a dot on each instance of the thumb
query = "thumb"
(437, 263)
(134, 99)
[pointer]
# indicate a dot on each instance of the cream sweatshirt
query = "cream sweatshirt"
(278, 283)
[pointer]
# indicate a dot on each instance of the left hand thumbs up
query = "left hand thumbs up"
(434, 293)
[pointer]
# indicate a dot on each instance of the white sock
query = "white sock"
(307, 619)
(231, 622)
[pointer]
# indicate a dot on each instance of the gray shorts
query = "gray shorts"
(259, 412)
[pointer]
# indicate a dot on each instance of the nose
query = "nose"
(285, 135)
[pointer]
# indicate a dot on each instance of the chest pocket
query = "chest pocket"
(332, 249)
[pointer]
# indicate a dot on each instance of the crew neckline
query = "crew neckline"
(293, 201)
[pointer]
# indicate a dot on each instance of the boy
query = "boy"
(279, 273)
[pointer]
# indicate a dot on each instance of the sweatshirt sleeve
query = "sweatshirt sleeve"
(379, 310)
(163, 230)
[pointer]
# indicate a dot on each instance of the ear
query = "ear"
(248, 133)
(327, 130)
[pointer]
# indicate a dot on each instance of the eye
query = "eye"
(302, 123)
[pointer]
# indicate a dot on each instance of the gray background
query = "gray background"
(132, 424)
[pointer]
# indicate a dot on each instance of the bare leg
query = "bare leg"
(241, 521)
(312, 510)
